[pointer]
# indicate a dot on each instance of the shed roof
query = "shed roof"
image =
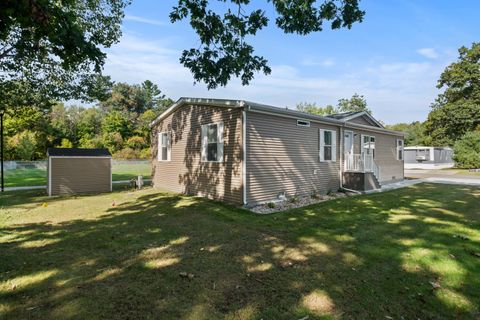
(78, 152)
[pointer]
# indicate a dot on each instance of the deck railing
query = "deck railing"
(361, 163)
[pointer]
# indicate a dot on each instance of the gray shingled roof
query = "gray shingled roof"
(77, 152)
(340, 116)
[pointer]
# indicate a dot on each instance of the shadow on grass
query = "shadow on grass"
(364, 257)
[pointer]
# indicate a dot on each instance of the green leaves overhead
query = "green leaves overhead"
(223, 50)
(54, 48)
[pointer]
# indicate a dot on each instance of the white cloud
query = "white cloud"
(397, 92)
(308, 62)
(130, 17)
(429, 53)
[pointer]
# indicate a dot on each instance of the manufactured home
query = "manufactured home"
(248, 153)
(421, 157)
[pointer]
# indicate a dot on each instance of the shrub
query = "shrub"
(136, 142)
(113, 141)
(91, 142)
(145, 153)
(466, 151)
(315, 195)
(65, 144)
(127, 153)
(271, 205)
(294, 199)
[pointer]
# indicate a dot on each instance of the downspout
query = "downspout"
(244, 153)
(341, 156)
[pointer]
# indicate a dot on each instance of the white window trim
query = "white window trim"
(169, 146)
(398, 149)
(322, 145)
(220, 142)
(362, 138)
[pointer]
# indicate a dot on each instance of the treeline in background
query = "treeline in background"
(119, 122)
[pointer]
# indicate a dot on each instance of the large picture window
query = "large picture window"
(328, 145)
(164, 148)
(212, 142)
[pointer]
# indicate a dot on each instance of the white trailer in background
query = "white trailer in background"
(422, 157)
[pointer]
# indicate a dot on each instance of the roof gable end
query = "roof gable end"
(366, 116)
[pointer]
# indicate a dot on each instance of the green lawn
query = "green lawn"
(38, 177)
(404, 254)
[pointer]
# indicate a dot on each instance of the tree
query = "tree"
(135, 98)
(53, 49)
(24, 144)
(224, 51)
(115, 122)
(457, 110)
(26, 119)
(415, 133)
(354, 104)
(154, 98)
(466, 151)
(312, 108)
(89, 123)
(64, 122)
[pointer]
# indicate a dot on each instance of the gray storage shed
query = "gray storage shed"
(75, 170)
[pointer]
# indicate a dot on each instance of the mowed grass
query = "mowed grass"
(405, 254)
(38, 177)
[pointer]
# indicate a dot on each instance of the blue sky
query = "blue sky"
(394, 58)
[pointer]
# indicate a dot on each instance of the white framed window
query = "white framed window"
(164, 146)
(368, 145)
(328, 145)
(212, 142)
(399, 149)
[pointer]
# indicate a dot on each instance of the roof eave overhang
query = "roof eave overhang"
(263, 108)
(197, 101)
(255, 107)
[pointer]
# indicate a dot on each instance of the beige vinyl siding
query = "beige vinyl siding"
(79, 175)
(185, 172)
(362, 120)
(391, 169)
(283, 157)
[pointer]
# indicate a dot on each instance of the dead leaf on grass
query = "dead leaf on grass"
(435, 285)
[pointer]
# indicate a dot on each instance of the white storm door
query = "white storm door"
(348, 142)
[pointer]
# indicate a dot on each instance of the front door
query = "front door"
(348, 142)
